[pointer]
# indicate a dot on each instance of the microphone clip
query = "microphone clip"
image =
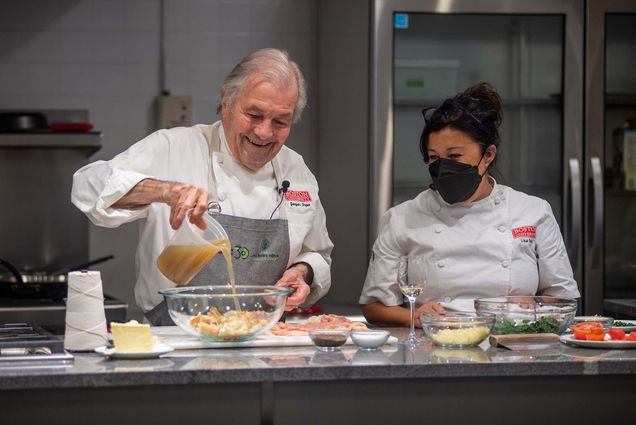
(284, 187)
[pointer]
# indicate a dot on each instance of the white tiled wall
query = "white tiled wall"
(103, 55)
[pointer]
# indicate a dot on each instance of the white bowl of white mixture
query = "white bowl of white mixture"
(370, 339)
(457, 329)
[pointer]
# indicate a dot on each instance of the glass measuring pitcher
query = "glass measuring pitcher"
(191, 248)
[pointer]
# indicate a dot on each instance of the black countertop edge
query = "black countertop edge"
(22, 381)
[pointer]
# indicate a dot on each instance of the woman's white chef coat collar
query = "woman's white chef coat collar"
(495, 198)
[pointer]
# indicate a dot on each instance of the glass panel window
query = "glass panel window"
(439, 55)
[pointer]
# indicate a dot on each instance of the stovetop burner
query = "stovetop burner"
(23, 335)
(22, 343)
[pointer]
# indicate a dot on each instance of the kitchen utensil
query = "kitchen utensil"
(457, 329)
(222, 313)
(521, 342)
(329, 339)
(569, 339)
(191, 248)
(22, 122)
(157, 350)
(528, 314)
(630, 325)
(370, 339)
(40, 283)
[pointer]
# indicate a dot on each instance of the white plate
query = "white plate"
(157, 350)
(631, 327)
(570, 340)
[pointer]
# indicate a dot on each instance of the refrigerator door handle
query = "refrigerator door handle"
(573, 225)
(596, 218)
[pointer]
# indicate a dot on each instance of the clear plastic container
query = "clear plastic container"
(191, 248)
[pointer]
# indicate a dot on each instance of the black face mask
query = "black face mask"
(454, 181)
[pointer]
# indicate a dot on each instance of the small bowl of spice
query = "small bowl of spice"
(329, 339)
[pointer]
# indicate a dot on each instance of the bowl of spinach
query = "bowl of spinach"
(528, 314)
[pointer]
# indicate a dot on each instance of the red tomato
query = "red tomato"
(594, 337)
(630, 336)
(616, 334)
(579, 335)
(588, 328)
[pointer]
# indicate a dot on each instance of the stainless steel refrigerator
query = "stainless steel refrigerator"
(563, 70)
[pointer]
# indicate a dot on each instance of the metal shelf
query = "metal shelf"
(91, 141)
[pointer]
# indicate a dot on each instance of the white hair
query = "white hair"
(272, 65)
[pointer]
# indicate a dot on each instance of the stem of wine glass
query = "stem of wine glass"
(412, 306)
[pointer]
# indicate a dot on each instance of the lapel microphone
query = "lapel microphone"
(285, 186)
(281, 191)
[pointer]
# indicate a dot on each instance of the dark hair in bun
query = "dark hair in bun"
(476, 111)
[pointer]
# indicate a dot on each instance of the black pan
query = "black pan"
(40, 284)
(23, 122)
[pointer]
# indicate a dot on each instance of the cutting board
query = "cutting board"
(177, 338)
(524, 341)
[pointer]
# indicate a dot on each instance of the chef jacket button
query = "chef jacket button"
(501, 228)
(505, 264)
(441, 264)
(221, 196)
(438, 230)
(219, 160)
(497, 200)
(447, 299)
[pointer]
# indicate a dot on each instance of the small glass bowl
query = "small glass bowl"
(329, 339)
(370, 339)
(457, 329)
(603, 320)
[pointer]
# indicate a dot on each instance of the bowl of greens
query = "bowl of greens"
(528, 314)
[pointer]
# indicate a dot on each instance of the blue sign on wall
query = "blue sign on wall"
(401, 20)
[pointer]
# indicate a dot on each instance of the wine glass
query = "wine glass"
(411, 285)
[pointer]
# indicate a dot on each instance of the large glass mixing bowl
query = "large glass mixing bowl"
(528, 314)
(219, 313)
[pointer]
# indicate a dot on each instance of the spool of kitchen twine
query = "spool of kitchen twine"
(85, 316)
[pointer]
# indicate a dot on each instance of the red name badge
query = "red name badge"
(297, 196)
(524, 232)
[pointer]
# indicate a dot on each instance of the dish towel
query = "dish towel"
(85, 316)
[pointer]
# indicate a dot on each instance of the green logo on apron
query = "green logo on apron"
(241, 252)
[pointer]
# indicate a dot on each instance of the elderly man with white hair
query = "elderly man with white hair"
(263, 193)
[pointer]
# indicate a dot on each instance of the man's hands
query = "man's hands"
(180, 197)
(295, 278)
(183, 197)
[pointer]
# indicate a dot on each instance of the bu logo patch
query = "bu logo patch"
(524, 232)
(297, 196)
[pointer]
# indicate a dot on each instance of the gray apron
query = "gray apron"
(260, 248)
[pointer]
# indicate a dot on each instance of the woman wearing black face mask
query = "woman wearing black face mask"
(476, 238)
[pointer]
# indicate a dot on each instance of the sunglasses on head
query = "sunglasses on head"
(451, 113)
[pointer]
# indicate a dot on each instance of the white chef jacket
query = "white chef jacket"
(505, 244)
(182, 155)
